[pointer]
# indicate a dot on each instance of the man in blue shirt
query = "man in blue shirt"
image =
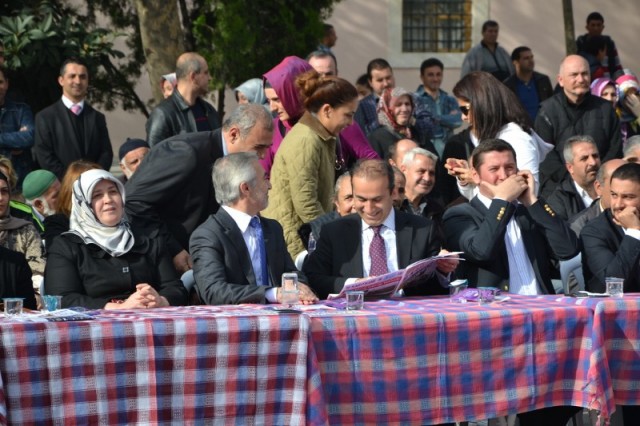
(442, 106)
(530, 86)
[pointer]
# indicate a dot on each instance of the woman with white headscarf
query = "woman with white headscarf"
(101, 263)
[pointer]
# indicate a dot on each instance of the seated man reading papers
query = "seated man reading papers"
(377, 240)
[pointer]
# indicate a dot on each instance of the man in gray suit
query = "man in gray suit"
(238, 256)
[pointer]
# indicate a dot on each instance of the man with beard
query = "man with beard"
(40, 190)
(576, 192)
(238, 256)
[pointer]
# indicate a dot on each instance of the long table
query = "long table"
(405, 361)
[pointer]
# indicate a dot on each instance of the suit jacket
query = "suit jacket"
(338, 254)
(608, 252)
(565, 200)
(578, 221)
(541, 81)
(56, 143)
(479, 233)
(172, 189)
(222, 264)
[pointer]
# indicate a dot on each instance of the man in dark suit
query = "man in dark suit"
(507, 234)
(576, 191)
(71, 129)
(611, 242)
(344, 251)
(172, 189)
(238, 256)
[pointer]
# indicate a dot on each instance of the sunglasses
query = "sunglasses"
(465, 109)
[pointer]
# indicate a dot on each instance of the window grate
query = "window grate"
(436, 25)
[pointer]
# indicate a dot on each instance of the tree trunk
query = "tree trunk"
(569, 30)
(162, 39)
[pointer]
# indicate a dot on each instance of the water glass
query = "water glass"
(289, 294)
(13, 306)
(51, 303)
(355, 300)
(615, 286)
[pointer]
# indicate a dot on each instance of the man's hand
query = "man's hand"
(447, 265)
(306, 296)
(460, 170)
(528, 197)
(182, 262)
(628, 218)
(509, 189)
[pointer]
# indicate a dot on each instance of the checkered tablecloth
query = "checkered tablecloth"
(616, 335)
(430, 361)
(198, 365)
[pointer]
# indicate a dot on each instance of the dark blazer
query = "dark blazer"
(85, 275)
(578, 221)
(458, 146)
(565, 200)
(338, 254)
(479, 233)
(56, 143)
(608, 252)
(222, 264)
(172, 189)
(15, 277)
(173, 116)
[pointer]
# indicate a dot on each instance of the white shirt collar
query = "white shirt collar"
(586, 198)
(389, 222)
(69, 103)
(240, 218)
(225, 151)
(486, 201)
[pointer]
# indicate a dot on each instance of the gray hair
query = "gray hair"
(567, 151)
(632, 143)
(246, 116)
(410, 156)
(230, 171)
(336, 187)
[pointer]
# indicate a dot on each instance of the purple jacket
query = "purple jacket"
(354, 143)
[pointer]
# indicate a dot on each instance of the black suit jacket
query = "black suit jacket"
(56, 143)
(565, 200)
(338, 254)
(479, 233)
(172, 189)
(608, 252)
(222, 263)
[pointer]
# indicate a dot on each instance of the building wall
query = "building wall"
(370, 28)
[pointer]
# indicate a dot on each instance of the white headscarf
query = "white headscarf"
(115, 240)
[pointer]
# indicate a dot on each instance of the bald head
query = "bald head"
(399, 149)
(192, 75)
(603, 180)
(574, 77)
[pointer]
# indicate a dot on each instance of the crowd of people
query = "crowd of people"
(334, 180)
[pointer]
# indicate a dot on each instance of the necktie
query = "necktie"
(76, 109)
(377, 253)
(262, 277)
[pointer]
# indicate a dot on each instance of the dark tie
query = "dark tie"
(262, 277)
(377, 253)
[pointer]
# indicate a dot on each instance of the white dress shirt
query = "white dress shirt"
(522, 278)
(69, 103)
(388, 234)
(586, 198)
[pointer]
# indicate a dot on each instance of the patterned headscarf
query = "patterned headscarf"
(386, 104)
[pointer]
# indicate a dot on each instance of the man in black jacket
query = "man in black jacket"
(575, 111)
(172, 189)
(184, 111)
(576, 192)
(530, 86)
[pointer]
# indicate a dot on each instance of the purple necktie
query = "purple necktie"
(262, 277)
(377, 254)
(76, 109)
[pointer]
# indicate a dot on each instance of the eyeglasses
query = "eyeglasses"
(465, 109)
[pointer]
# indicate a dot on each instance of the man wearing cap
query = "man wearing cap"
(185, 111)
(40, 190)
(131, 154)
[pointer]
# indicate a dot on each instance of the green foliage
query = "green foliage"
(38, 38)
(242, 39)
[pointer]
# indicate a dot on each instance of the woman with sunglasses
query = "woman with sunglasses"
(494, 112)
(101, 263)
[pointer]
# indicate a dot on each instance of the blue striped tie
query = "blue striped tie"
(263, 277)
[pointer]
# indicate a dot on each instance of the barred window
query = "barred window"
(436, 26)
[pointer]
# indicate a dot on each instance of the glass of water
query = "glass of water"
(289, 289)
